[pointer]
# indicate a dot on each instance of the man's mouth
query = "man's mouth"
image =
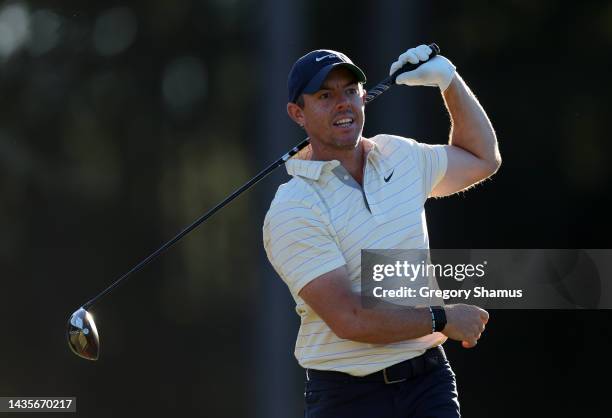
(344, 122)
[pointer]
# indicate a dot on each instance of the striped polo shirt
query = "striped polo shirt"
(322, 218)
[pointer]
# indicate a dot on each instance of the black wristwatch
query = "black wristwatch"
(438, 318)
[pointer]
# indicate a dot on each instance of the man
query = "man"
(347, 193)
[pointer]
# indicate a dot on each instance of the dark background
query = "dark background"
(121, 122)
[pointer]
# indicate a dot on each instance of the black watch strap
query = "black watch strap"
(438, 317)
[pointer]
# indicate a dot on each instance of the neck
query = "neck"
(353, 160)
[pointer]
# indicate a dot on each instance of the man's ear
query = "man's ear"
(364, 95)
(296, 113)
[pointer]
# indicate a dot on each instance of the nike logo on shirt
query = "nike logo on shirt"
(389, 178)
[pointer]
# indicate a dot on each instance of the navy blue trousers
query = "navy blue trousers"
(429, 395)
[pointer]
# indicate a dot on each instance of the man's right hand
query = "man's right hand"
(465, 323)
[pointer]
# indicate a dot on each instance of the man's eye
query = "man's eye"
(324, 96)
(352, 90)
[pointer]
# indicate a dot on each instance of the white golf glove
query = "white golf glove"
(436, 72)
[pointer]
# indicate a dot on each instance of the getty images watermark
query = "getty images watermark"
(505, 279)
(411, 271)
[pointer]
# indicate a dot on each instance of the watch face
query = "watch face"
(440, 318)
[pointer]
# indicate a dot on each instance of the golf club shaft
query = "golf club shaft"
(372, 94)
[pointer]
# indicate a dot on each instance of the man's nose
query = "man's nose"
(343, 102)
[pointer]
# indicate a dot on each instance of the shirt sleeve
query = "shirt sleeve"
(299, 244)
(433, 161)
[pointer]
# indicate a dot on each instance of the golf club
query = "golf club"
(82, 333)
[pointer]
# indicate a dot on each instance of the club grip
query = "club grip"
(384, 85)
(435, 50)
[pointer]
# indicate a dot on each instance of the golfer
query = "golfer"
(350, 193)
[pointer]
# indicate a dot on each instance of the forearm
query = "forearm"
(331, 297)
(471, 129)
(343, 310)
(386, 323)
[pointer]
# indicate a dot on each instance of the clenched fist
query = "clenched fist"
(438, 71)
(465, 323)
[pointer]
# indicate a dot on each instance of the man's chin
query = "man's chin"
(347, 143)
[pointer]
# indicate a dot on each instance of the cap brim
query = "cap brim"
(315, 83)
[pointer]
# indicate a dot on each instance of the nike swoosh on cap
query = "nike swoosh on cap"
(317, 59)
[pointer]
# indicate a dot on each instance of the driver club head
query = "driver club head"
(82, 335)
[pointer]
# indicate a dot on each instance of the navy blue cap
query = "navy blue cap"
(309, 72)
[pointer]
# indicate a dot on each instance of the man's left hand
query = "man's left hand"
(437, 72)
